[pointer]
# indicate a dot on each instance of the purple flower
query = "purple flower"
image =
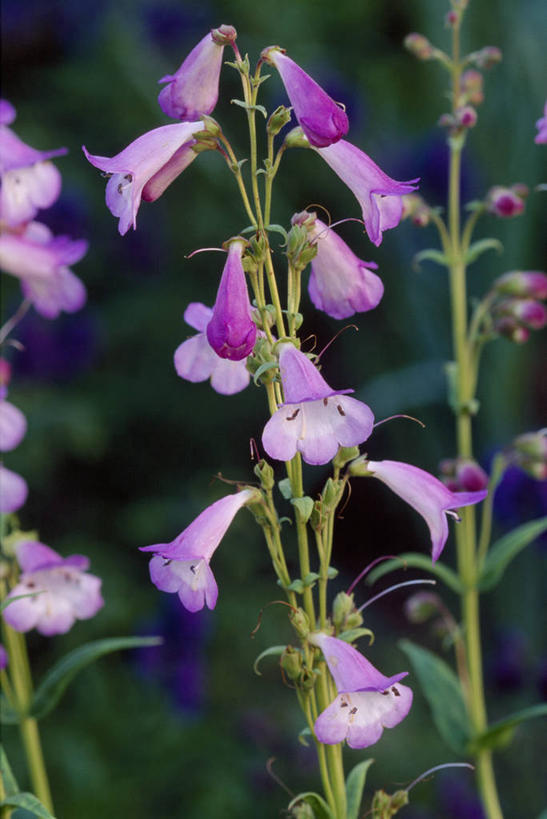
(367, 702)
(340, 284)
(232, 331)
(193, 90)
(321, 119)
(41, 261)
(431, 498)
(522, 284)
(13, 491)
(195, 359)
(3, 657)
(506, 202)
(13, 426)
(65, 592)
(182, 566)
(145, 168)
(541, 125)
(29, 182)
(379, 196)
(315, 419)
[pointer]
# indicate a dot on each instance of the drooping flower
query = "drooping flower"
(340, 284)
(29, 181)
(13, 491)
(193, 90)
(40, 260)
(506, 202)
(541, 125)
(367, 701)
(62, 590)
(378, 195)
(13, 426)
(145, 168)
(195, 359)
(315, 419)
(232, 331)
(182, 566)
(431, 498)
(322, 120)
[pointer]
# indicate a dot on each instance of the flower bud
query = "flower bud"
(231, 331)
(451, 18)
(265, 474)
(470, 476)
(359, 467)
(529, 312)
(300, 622)
(280, 117)
(522, 284)
(466, 116)
(417, 209)
(385, 805)
(487, 57)
(512, 330)
(302, 810)
(421, 607)
(506, 202)
(419, 46)
(342, 606)
(296, 139)
(344, 455)
(291, 662)
(530, 453)
(224, 35)
(471, 85)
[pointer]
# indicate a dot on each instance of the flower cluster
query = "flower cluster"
(13, 427)
(518, 304)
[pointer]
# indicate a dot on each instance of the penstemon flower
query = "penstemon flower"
(13, 490)
(13, 426)
(541, 125)
(195, 359)
(367, 701)
(315, 419)
(64, 591)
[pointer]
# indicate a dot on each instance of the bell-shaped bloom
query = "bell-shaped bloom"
(195, 359)
(40, 260)
(145, 168)
(541, 125)
(315, 419)
(322, 120)
(193, 90)
(232, 331)
(62, 591)
(182, 566)
(13, 426)
(13, 491)
(367, 701)
(29, 181)
(340, 284)
(431, 498)
(378, 195)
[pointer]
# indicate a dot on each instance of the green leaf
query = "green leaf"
(353, 634)
(429, 255)
(8, 714)
(285, 488)
(268, 365)
(296, 586)
(53, 685)
(303, 507)
(272, 651)
(355, 784)
(248, 107)
(332, 572)
(442, 690)
(478, 248)
(501, 733)
(9, 600)
(277, 229)
(506, 548)
(27, 801)
(414, 560)
(303, 737)
(320, 808)
(310, 579)
(10, 783)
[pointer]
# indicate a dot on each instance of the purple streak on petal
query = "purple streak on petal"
(13, 490)
(13, 426)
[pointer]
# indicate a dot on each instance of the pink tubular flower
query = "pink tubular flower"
(232, 331)
(193, 90)
(315, 419)
(41, 261)
(431, 498)
(145, 168)
(340, 284)
(182, 566)
(29, 181)
(195, 359)
(13, 426)
(13, 491)
(541, 125)
(321, 119)
(64, 591)
(506, 202)
(378, 195)
(367, 702)
(522, 284)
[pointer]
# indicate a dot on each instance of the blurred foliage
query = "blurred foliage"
(122, 453)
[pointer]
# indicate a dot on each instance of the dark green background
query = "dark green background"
(121, 453)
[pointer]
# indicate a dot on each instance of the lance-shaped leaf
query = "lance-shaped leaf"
(52, 687)
(28, 802)
(355, 784)
(414, 560)
(429, 255)
(8, 780)
(506, 548)
(501, 733)
(478, 248)
(272, 651)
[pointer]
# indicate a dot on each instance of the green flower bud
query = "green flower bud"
(419, 46)
(300, 622)
(358, 467)
(291, 662)
(344, 455)
(296, 139)
(342, 605)
(307, 679)
(384, 805)
(265, 474)
(280, 117)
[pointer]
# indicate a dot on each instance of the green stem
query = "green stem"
(302, 537)
(334, 752)
(498, 468)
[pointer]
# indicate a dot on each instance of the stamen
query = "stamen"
(439, 768)
(393, 588)
(368, 568)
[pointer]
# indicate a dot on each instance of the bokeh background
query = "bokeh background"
(121, 452)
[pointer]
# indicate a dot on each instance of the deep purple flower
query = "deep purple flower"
(193, 90)
(367, 701)
(378, 195)
(322, 120)
(315, 419)
(340, 283)
(506, 202)
(13, 426)
(13, 491)
(431, 498)
(195, 359)
(145, 168)
(41, 261)
(182, 566)
(232, 331)
(29, 181)
(65, 592)
(541, 125)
